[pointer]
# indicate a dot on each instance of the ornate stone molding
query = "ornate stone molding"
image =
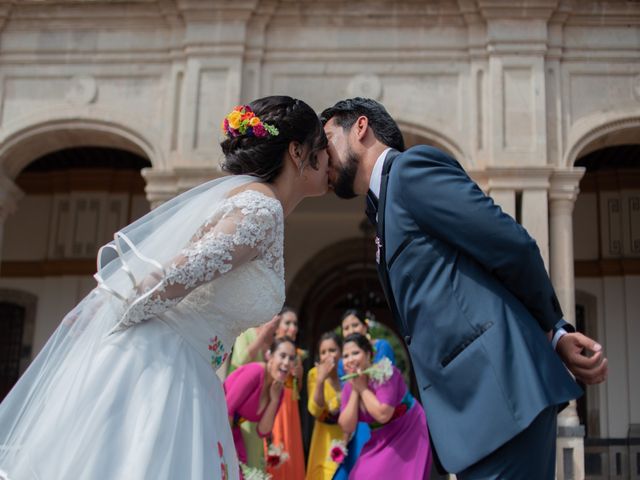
(163, 185)
(565, 184)
(512, 178)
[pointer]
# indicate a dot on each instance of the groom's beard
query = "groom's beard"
(343, 185)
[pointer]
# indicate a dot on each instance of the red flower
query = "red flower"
(273, 461)
(220, 450)
(337, 454)
(259, 131)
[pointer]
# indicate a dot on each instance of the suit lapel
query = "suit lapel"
(381, 257)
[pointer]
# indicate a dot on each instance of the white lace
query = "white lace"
(246, 227)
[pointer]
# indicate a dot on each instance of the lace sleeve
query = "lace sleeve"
(245, 228)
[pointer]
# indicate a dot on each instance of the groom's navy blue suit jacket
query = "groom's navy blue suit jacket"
(471, 295)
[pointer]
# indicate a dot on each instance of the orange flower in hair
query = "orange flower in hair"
(243, 121)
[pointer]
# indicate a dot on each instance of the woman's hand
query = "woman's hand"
(360, 383)
(275, 390)
(325, 368)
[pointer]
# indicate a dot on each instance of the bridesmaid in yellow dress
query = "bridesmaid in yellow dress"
(287, 428)
(323, 386)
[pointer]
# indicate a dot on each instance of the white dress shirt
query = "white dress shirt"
(376, 174)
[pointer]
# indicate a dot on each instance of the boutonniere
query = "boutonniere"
(378, 247)
(379, 372)
(338, 451)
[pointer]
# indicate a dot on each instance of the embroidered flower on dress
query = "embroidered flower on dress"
(224, 469)
(218, 356)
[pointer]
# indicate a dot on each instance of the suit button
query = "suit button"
(407, 340)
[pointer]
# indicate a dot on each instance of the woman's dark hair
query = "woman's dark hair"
(263, 157)
(331, 335)
(359, 314)
(384, 127)
(279, 341)
(287, 309)
(360, 340)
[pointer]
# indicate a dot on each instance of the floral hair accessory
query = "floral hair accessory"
(242, 121)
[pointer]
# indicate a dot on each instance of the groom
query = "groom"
(469, 291)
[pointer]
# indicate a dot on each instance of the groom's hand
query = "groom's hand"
(583, 357)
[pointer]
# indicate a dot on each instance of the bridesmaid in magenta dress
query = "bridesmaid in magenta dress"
(399, 443)
(254, 391)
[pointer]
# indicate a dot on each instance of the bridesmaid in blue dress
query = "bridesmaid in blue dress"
(355, 321)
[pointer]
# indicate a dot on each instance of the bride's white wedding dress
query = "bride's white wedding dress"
(135, 395)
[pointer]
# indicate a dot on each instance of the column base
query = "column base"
(570, 453)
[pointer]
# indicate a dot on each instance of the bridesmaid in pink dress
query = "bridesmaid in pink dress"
(399, 443)
(254, 391)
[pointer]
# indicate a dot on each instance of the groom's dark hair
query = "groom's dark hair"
(384, 127)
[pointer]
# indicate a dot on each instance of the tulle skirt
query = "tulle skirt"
(137, 404)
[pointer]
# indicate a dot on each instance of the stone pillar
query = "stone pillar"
(562, 196)
(522, 193)
(10, 195)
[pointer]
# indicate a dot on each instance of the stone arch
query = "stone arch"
(599, 131)
(420, 134)
(321, 290)
(30, 140)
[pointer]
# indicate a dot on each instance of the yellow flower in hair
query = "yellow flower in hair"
(235, 118)
(254, 121)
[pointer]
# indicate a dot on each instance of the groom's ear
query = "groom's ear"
(360, 127)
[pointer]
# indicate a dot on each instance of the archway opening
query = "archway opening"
(606, 223)
(75, 199)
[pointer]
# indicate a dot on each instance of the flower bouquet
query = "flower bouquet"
(252, 473)
(338, 451)
(379, 372)
(276, 456)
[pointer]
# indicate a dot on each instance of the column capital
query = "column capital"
(512, 178)
(163, 185)
(10, 195)
(565, 184)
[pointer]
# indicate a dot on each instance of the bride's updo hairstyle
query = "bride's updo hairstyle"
(263, 156)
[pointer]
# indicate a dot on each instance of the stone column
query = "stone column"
(562, 196)
(530, 185)
(10, 195)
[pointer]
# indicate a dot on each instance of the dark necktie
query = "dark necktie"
(372, 208)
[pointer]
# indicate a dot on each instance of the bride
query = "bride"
(126, 387)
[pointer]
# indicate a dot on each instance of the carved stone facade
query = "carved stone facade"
(517, 91)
